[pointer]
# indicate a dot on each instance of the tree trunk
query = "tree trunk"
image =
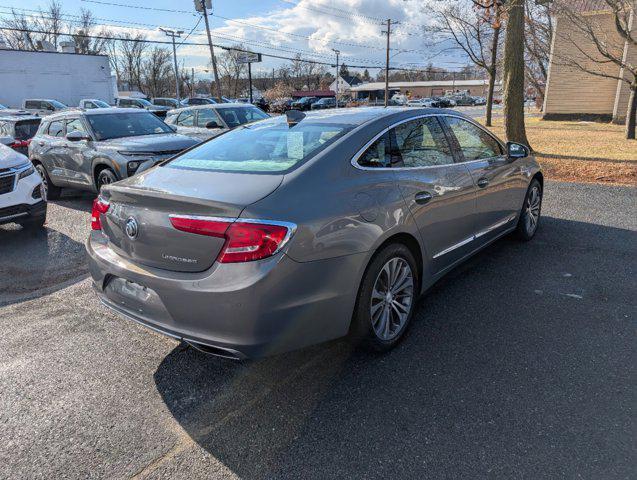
(631, 120)
(492, 75)
(513, 74)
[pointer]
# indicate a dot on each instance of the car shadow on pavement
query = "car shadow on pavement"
(518, 364)
(74, 200)
(36, 263)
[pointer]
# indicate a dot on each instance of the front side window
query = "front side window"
(32, 104)
(475, 143)
(376, 156)
(186, 119)
(206, 115)
(56, 128)
(235, 116)
(422, 143)
(75, 125)
(126, 124)
(270, 146)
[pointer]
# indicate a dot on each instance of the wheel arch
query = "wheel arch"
(102, 164)
(539, 176)
(411, 242)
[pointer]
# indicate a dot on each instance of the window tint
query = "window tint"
(267, 147)
(75, 125)
(474, 142)
(26, 129)
(206, 115)
(56, 128)
(422, 143)
(31, 104)
(376, 155)
(239, 115)
(186, 119)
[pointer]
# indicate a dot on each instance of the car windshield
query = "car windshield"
(235, 116)
(144, 102)
(126, 124)
(57, 104)
(270, 146)
(26, 129)
(101, 104)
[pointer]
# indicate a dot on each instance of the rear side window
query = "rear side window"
(56, 128)
(263, 147)
(422, 143)
(377, 155)
(32, 104)
(186, 119)
(474, 142)
(26, 129)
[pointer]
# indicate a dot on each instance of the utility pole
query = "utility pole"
(337, 52)
(388, 32)
(174, 34)
(192, 84)
(201, 6)
(250, 79)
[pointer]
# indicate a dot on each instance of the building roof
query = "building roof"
(365, 87)
(351, 79)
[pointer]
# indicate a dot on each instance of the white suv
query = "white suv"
(21, 190)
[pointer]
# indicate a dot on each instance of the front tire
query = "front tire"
(386, 299)
(531, 211)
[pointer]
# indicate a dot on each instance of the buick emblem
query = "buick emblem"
(132, 228)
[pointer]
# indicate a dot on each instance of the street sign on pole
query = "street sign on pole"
(199, 6)
(248, 57)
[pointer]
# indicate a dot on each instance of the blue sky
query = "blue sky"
(280, 27)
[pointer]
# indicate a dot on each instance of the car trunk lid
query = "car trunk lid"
(138, 225)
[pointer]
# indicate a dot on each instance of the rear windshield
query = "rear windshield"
(235, 116)
(26, 129)
(126, 124)
(270, 146)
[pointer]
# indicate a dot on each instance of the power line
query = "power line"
(224, 47)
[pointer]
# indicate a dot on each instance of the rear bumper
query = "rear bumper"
(243, 310)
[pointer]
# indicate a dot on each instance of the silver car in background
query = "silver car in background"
(301, 228)
(86, 149)
(207, 121)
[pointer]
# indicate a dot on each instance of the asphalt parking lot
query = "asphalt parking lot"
(520, 364)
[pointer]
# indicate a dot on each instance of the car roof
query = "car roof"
(95, 111)
(359, 115)
(213, 105)
(17, 118)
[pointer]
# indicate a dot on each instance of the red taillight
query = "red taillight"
(20, 143)
(246, 241)
(99, 206)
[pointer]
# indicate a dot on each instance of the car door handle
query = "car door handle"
(423, 198)
(483, 182)
(41, 144)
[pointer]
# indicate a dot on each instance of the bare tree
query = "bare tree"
(81, 35)
(537, 44)
(513, 73)
(607, 46)
(130, 55)
(157, 72)
(231, 69)
(30, 30)
(474, 27)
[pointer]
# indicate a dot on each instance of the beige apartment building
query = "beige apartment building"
(572, 92)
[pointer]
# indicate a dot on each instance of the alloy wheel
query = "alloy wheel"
(392, 298)
(533, 204)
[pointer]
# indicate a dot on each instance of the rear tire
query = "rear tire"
(51, 192)
(105, 176)
(531, 210)
(386, 299)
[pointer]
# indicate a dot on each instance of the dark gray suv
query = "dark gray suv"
(88, 149)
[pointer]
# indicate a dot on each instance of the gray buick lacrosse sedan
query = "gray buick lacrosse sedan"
(307, 227)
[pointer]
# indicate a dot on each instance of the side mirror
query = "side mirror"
(7, 140)
(76, 136)
(212, 124)
(517, 150)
